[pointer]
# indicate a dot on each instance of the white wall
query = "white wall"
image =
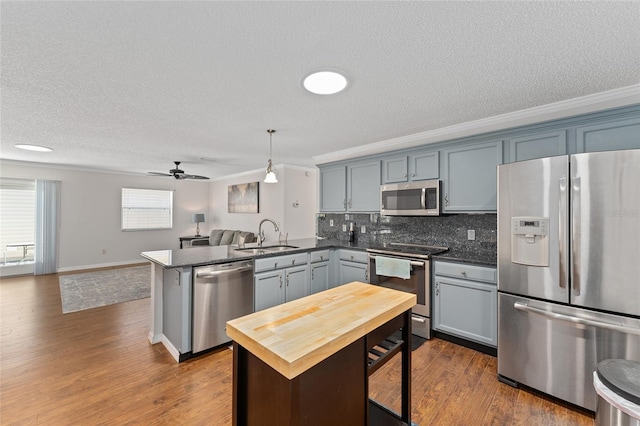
(90, 214)
(275, 202)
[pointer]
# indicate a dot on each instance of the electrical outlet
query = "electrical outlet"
(330, 222)
(363, 229)
(344, 228)
(104, 251)
(471, 234)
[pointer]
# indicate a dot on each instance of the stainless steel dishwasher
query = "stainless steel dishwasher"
(221, 293)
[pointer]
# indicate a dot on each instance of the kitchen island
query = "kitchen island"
(308, 361)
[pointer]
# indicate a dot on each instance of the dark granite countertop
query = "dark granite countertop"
(210, 255)
(462, 256)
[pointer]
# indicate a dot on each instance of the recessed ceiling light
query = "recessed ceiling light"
(325, 82)
(34, 147)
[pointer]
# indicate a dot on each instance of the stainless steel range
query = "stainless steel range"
(417, 281)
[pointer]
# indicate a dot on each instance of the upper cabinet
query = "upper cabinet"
(538, 145)
(351, 188)
(612, 135)
(407, 168)
(469, 177)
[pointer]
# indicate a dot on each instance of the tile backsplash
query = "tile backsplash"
(449, 230)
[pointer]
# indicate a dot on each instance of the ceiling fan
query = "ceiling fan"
(178, 174)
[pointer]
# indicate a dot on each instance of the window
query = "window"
(144, 209)
(17, 220)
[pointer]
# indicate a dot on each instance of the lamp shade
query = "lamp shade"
(197, 218)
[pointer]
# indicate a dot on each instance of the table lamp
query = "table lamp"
(197, 218)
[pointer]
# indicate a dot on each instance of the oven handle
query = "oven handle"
(413, 262)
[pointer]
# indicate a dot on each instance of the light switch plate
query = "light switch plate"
(363, 229)
(330, 222)
(344, 228)
(471, 234)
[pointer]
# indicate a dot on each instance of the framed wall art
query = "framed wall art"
(243, 198)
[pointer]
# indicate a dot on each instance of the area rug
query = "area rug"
(101, 288)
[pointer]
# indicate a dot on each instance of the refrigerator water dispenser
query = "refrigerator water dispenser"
(530, 241)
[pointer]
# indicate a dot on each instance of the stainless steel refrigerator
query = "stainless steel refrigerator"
(568, 270)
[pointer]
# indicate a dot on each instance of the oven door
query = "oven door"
(418, 282)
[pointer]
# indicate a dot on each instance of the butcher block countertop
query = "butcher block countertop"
(295, 336)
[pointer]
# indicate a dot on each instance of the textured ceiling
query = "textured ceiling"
(133, 86)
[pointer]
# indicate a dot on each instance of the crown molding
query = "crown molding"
(616, 98)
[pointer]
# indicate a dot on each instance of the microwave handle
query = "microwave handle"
(423, 199)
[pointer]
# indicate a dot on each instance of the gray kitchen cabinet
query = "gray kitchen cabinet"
(363, 187)
(419, 166)
(353, 265)
(538, 145)
(469, 177)
(333, 189)
(465, 302)
(320, 269)
(350, 188)
(608, 136)
(280, 279)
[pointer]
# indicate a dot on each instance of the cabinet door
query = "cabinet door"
(614, 135)
(352, 271)
(319, 277)
(395, 170)
(363, 191)
(333, 186)
(470, 177)
(296, 283)
(467, 309)
(268, 289)
(539, 145)
(424, 166)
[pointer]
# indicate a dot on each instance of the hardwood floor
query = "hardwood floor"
(97, 367)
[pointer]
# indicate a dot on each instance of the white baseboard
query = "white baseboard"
(175, 353)
(154, 338)
(102, 265)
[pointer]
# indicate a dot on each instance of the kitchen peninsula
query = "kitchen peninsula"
(305, 361)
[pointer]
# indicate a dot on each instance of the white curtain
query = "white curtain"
(47, 218)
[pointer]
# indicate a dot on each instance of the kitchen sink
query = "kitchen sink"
(267, 249)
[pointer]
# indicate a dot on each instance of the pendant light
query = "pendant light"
(271, 175)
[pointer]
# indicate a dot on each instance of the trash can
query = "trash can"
(617, 383)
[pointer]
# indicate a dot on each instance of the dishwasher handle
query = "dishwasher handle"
(215, 273)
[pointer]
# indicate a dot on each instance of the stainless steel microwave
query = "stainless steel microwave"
(411, 198)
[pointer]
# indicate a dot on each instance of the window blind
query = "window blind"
(144, 209)
(17, 211)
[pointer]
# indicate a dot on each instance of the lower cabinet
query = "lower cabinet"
(280, 279)
(320, 270)
(353, 265)
(465, 302)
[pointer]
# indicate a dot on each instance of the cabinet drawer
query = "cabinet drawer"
(271, 263)
(319, 256)
(468, 272)
(354, 256)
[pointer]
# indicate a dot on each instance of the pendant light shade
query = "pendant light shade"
(271, 174)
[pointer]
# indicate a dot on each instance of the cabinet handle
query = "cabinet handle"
(446, 199)
(437, 288)
(312, 273)
(405, 175)
(413, 175)
(321, 257)
(464, 274)
(345, 203)
(275, 265)
(280, 280)
(349, 203)
(293, 261)
(287, 280)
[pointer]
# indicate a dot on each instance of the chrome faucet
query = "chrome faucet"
(261, 236)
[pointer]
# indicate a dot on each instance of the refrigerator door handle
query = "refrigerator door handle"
(576, 225)
(562, 230)
(582, 321)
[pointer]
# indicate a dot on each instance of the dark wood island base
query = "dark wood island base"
(333, 391)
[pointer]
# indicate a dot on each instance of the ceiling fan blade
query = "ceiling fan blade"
(159, 174)
(194, 177)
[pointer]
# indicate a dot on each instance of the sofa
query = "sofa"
(225, 237)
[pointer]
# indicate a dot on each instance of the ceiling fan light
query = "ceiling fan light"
(325, 83)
